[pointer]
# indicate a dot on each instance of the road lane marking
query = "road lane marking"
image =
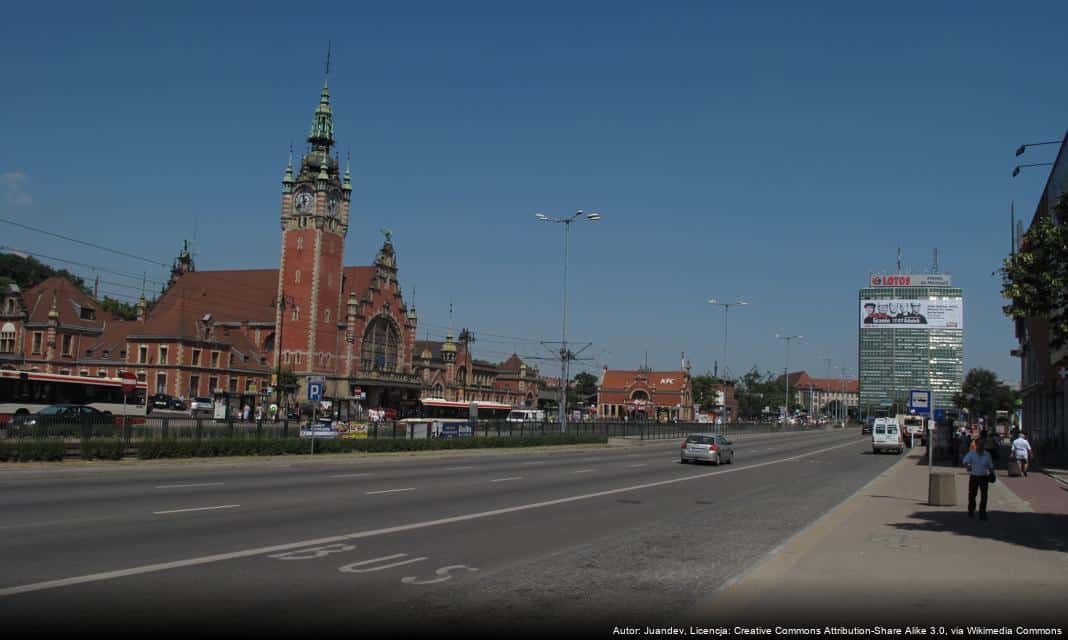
(375, 493)
(636, 465)
(221, 506)
(350, 475)
(456, 468)
(259, 551)
(585, 470)
(535, 462)
(507, 479)
(191, 484)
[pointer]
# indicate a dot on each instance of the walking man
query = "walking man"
(1021, 450)
(980, 467)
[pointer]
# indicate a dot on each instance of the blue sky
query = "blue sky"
(767, 151)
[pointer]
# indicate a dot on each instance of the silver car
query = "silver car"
(707, 447)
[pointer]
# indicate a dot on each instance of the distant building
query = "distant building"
(816, 395)
(911, 336)
(448, 370)
(645, 394)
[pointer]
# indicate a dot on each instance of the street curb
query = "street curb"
(1055, 477)
(839, 512)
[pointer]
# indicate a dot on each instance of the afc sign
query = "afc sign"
(890, 281)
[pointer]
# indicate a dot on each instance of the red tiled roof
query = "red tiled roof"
(512, 364)
(357, 279)
(229, 296)
(662, 381)
(69, 302)
(801, 380)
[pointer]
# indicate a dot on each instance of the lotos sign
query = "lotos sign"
(910, 280)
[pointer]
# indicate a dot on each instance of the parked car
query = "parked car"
(177, 404)
(886, 436)
(201, 405)
(707, 447)
(64, 414)
(160, 401)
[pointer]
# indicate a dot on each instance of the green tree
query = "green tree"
(982, 394)
(704, 391)
(121, 309)
(29, 272)
(1035, 278)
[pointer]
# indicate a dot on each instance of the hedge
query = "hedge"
(217, 447)
(27, 450)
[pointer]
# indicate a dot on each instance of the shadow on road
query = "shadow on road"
(1042, 531)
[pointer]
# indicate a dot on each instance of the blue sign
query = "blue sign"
(939, 415)
(920, 401)
(315, 392)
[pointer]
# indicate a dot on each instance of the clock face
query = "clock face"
(332, 205)
(304, 202)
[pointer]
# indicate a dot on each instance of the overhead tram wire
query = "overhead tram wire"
(137, 276)
(83, 242)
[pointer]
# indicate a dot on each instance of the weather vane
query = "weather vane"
(327, 57)
(387, 234)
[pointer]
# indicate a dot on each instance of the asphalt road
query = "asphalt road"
(523, 541)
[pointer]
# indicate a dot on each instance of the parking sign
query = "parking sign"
(315, 391)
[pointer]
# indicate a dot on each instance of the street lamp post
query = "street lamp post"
(726, 306)
(786, 370)
(565, 355)
(1016, 169)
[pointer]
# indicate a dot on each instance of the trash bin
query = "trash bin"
(942, 489)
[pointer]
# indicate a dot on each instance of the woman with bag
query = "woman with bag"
(980, 475)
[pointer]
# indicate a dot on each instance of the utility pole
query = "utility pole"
(786, 370)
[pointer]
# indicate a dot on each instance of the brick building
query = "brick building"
(645, 394)
(817, 394)
(449, 370)
(224, 333)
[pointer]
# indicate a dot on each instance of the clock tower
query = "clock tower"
(315, 221)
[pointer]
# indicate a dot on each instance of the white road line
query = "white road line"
(221, 506)
(635, 465)
(350, 475)
(290, 546)
(375, 493)
(456, 468)
(507, 479)
(534, 462)
(191, 484)
(585, 470)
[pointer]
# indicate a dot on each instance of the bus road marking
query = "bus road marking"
(221, 506)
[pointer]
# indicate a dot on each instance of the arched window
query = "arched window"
(7, 338)
(380, 342)
(296, 276)
(296, 313)
(639, 395)
(326, 316)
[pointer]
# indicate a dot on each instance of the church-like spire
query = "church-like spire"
(287, 179)
(322, 128)
(347, 184)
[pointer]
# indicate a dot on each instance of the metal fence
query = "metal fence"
(154, 428)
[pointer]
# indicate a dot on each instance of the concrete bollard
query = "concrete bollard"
(942, 490)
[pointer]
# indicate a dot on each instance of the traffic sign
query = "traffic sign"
(315, 391)
(129, 382)
(920, 401)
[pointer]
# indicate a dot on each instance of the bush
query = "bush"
(26, 450)
(103, 449)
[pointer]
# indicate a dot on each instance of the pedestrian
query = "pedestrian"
(980, 468)
(965, 446)
(993, 446)
(1021, 450)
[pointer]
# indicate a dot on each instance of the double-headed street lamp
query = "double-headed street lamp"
(565, 355)
(786, 370)
(726, 306)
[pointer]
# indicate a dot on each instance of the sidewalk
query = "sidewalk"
(886, 556)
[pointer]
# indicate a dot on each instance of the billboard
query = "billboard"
(910, 280)
(944, 313)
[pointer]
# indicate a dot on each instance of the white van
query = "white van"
(886, 435)
(526, 415)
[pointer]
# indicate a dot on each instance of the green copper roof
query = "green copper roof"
(322, 127)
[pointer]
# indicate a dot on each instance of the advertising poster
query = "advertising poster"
(916, 314)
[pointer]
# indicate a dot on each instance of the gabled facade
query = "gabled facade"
(645, 394)
(449, 371)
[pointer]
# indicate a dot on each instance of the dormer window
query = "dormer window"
(87, 314)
